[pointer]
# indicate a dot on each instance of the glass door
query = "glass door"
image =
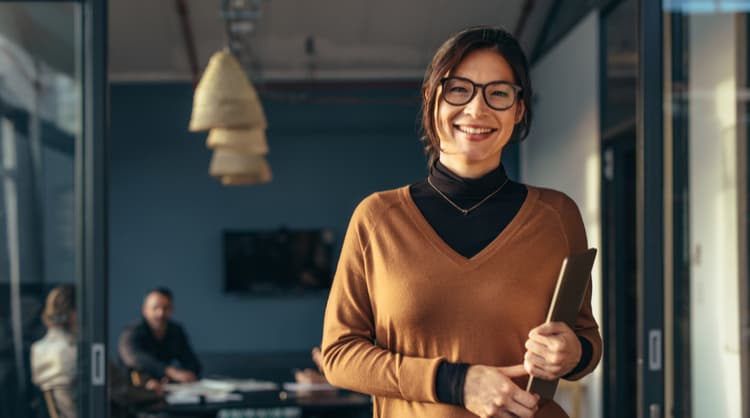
(52, 349)
(706, 123)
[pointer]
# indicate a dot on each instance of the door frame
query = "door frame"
(92, 214)
(650, 211)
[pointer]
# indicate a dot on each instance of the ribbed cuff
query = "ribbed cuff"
(587, 351)
(449, 382)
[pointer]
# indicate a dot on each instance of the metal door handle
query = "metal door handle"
(654, 410)
(98, 371)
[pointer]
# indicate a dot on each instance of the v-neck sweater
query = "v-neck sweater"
(403, 301)
(490, 203)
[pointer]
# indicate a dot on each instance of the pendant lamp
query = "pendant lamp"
(226, 104)
(250, 141)
(239, 168)
(224, 98)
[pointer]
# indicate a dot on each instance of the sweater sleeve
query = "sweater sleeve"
(185, 354)
(585, 325)
(135, 356)
(352, 357)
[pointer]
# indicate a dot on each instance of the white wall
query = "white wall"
(562, 152)
(714, 310)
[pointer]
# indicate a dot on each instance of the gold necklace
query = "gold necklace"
(460, 209)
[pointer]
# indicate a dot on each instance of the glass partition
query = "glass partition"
(706, 77)
(40, 125)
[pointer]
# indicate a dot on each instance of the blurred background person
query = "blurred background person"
(312, 376)
(156, 347)
(53, 358)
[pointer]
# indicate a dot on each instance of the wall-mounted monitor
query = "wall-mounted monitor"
(278, 262)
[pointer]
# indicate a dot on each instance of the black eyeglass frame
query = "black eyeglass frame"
(475, 86)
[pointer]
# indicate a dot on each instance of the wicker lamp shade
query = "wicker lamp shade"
(224, 98)
(262, 177)
(235, 167)
(248, 141)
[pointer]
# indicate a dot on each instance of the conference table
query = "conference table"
(268, 404)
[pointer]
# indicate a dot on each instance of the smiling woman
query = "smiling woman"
(438, 303)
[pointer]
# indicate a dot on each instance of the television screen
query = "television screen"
(283, 261)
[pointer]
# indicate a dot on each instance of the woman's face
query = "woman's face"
(472, 136)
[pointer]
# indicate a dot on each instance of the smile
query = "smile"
(474, 131)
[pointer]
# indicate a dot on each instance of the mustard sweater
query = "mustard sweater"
(402, 300)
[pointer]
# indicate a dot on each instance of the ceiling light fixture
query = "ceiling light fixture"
(226, 103)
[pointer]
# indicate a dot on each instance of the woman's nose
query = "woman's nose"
(476, 105)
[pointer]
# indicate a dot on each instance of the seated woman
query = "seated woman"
(53, 358)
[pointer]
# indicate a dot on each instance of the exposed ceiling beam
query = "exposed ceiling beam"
(188, 38)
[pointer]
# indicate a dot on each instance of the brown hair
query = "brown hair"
(450, 55)
(61, 302)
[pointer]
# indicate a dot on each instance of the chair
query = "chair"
(49, 399)
(135, 378)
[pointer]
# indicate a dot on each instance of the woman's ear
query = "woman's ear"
(520, 110)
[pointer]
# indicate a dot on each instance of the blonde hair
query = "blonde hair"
(61, 302)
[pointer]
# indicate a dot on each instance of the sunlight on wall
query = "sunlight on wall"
(714, 305)
(563, 153)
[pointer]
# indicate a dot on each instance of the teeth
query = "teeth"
(470, 130)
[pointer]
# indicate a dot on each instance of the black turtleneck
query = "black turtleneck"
(468, 235)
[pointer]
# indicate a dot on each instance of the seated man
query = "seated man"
(155, 346)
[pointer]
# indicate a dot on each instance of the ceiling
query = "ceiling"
(351, 39)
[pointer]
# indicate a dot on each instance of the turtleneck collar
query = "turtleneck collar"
(459, 187)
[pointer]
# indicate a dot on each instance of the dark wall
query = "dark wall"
(167, 215)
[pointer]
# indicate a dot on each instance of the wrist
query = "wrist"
(449, 382)
(586, 353)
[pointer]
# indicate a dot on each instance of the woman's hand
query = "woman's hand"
(489, 392)
(552, 351)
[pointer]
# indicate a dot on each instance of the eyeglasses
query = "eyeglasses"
(499, 95)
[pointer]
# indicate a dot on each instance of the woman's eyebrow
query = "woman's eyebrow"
(504, 80)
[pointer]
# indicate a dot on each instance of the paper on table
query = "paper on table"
(217, 386)
(224, 397)
(250, 385)
(298, 387)
(182, 399)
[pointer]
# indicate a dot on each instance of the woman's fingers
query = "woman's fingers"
(518, 409)
(541, 373)
(526, 399)
(552, 350)
(490, 392)
(536, 347)
(549, 328)
(513, 371)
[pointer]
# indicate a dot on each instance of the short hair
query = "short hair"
(450, 55)
(61, 302)
(164, 291)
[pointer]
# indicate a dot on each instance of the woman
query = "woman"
(53, 358)
(442, 285)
